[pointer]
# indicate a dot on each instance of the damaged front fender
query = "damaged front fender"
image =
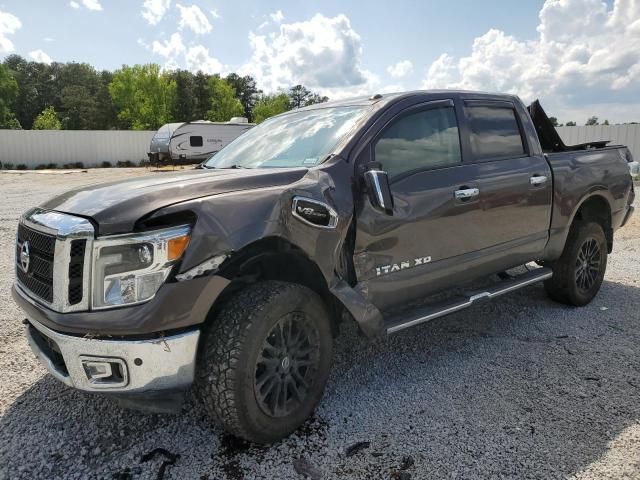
(234, 222)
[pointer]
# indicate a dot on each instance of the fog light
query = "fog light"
(105, 372)
(97, 370)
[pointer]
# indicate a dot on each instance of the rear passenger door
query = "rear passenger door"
(513, 178)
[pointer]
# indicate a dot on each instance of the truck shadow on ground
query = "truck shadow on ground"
(522, 387)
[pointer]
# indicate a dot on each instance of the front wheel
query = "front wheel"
(579, 272)
(266, 361)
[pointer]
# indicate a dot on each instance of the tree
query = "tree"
(224, 103)
(592, 121)
(144, 97)
(201, 96)
(36, 87)
(300, 96)
(316, 98)
(79, 87)
(246, 91)
(554, 121)
(8, 95)
(606, 122)
(47, 120)
(270, 105)
(107, 118)
(185, 105)
(571, 124)
(79, 108)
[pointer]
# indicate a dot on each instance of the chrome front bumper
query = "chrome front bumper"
(118, 366)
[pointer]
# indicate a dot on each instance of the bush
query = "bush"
(106, 165)
(52, 166)
(21, 166)
(8, 166)
(125, 164)
(42, 166)
(73, 165)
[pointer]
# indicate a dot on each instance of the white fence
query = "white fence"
(628, 135)
(91, 147)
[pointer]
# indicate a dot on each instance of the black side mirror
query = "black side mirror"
(378, 187)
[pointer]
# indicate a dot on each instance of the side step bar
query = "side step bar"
(431, 312)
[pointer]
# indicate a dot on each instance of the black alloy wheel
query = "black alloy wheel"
(579, 272)
(588, 264)
(287, 365)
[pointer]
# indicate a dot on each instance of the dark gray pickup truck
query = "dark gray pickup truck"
(234, 278)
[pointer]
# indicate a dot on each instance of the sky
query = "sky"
(579, 57)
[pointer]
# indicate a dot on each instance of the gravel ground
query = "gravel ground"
(518, 388)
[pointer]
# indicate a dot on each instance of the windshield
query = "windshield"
(299, 139)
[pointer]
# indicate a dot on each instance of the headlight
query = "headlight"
(129, 269)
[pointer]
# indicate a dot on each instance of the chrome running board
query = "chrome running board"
(437, 310)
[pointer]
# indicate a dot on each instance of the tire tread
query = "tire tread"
(216, 383)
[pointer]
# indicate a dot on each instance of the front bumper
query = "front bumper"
(176, 305)
(152, 366)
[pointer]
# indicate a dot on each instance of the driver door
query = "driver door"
(421, 152)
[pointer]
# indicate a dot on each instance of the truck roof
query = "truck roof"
(386, 98)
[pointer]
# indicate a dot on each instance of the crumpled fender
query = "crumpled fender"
(229, 222)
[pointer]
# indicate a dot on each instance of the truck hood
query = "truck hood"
(116, 206)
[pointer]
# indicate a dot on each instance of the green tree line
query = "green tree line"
(76, 96)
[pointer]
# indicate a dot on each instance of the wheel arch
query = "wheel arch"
(596, 207)
(275, 258)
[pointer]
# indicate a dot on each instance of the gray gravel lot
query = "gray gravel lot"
(518, 388)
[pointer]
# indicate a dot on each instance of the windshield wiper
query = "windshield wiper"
(204, 165)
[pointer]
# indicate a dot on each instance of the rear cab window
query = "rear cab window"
(494, 131)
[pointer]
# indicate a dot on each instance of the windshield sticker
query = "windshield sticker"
(310, 161)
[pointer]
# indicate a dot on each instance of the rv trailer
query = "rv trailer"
(194, 142)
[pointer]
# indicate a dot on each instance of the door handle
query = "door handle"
(466, 193)
(538, 180)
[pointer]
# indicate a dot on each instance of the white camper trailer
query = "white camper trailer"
(194, 142)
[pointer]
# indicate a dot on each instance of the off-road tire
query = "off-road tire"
(564, 286)
(226, 379)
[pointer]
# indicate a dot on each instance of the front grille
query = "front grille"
(42, 242)
(51, 268)
(39, 277)
(76, 270)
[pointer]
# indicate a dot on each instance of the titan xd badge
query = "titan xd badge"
(396, 267)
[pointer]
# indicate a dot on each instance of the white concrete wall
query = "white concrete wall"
(628, 135)
(91, 147)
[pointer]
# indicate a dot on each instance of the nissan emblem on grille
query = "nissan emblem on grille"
(25, 257)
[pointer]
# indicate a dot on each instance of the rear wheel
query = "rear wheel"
(579, 272)
(266, 361)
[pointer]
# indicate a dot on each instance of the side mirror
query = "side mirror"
(378, 187)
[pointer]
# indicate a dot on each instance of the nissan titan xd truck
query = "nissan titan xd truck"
(232, 280)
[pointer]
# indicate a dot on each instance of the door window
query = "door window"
(195, 141)
(423, 140)
(494, 132)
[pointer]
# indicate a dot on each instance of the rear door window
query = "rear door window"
(494, 132)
